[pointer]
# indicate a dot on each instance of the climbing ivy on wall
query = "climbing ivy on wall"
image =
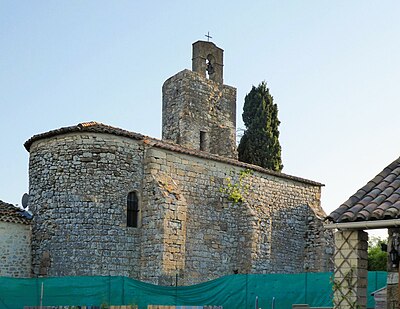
(235, 191)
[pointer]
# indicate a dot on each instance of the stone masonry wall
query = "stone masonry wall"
(15, 250)
(268, 233)
(194, 104)
(299, 216)
(79, 184)
(319, 244)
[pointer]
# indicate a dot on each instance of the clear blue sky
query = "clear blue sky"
(333, 68)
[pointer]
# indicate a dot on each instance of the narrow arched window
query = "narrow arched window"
(210, 70)
(132, 214)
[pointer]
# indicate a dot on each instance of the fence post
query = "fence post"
(247, 287)
(176, 289)
(37, 292)
(305, 288)
(123, 290)
(109, 290)
(41, 296)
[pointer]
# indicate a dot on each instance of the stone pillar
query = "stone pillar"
(392, 293)
(164, 233)
(351, 274)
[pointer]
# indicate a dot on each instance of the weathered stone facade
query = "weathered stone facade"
(79, 181)
(15, 248)
(78, 189)
(200, 113)
(275, 230)
(188, 226)
(208, 60)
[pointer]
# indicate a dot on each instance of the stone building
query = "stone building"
(112, 202)
(15, 242)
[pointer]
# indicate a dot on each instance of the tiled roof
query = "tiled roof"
(10, 213)
(97, 127)
(379, 199)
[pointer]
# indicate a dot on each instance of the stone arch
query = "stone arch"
(210, 65)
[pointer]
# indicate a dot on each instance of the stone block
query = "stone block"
(157, 153)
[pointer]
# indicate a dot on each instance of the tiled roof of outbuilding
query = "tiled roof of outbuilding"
(10, 213)
(379, 199)
(97, 127)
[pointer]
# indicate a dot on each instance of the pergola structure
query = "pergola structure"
(375, 206)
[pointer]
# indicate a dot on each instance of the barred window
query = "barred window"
(132, 214)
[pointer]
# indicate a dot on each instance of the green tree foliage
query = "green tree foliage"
(259, 144)
(377, 259)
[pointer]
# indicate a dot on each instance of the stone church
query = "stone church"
(106, 201)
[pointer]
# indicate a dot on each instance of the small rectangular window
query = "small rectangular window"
(203, 141)
(132, 213)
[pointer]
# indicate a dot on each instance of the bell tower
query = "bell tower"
(208, 60)
(199, 111)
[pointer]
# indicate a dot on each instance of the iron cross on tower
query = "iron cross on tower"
(208, 36)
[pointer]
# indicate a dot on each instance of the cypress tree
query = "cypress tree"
(259, 144)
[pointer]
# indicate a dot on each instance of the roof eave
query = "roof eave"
(364, 225)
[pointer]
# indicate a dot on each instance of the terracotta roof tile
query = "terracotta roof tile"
(393, 198)
(376, 202)
(377, 214)
(97, 127)
(385, 205)
(396, 183)
(374, 193)
(10, 213)
(379, 199)
(356, 208)
(382, 186)
(362, 215)
(392, 211)
(368, 187)
(378, 178)
(388, 191)
(365, 201)
(396, 205)
(347, 216)
(392, 176)
(360, 193)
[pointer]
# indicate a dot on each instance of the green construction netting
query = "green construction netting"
(235, 291)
